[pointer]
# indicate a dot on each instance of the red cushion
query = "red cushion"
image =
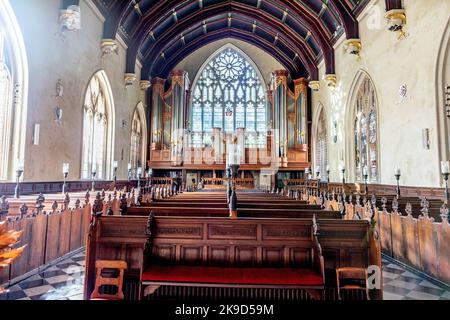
(216, 275)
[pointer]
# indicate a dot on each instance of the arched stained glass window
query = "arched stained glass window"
(366, 132)
(95, 129)
(322, 145)
(229, 94)
(5, 109)
(136, 143)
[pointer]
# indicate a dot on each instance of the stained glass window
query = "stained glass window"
(366, 134)
(322, 145)
(136, 144)
(5, 110)
(95, 129)
(229, 95)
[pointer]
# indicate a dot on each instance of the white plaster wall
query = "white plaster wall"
(391, 63)
(74, 58)
(265, 62)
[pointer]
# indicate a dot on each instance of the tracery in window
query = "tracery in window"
(322, 145)
(366, 133)
(5, 109)
(229, 94)
(95, 130)
(136, 143)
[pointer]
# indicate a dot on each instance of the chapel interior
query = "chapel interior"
(202, 150)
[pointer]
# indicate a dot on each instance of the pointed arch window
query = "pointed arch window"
(6, 93)
(96, 129)
(229, 94)
(322, 145)
(13, 93)
(136, 143)
(366, 132)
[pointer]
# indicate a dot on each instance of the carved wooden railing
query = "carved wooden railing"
(414, 231)
(30, 188)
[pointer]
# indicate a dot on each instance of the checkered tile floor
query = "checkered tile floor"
(400, 284)
(64, 281)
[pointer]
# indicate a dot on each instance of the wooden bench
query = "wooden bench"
(253, 243)
(251, 253)
(225, 212)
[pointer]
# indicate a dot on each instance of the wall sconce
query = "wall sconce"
(426, 139)
(396, 22)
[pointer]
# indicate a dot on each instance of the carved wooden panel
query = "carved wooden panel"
(164, 253)
(273, 256)
(219, 255)
(384, 222)
(300, 257)
(246, 256)
(427, 240)
(443, 232)
(287, 232)
(191, 231)
(232, 231)
(411, 241)
(191, 255)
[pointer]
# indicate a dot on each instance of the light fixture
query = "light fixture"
(66, 168)
(19, 172)
(445, 171)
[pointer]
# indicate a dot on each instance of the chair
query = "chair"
(352, 279)
(106, 277)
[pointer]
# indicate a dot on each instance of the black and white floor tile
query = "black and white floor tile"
(400, 284)
(64, 281)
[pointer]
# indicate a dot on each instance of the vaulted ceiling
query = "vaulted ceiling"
(298, 33)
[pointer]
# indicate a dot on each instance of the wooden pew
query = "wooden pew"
(278, 241)
(224, 212)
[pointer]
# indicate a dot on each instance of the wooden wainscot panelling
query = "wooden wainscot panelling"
(33, 257)
(123, 228)
(168, 231)
(398, 245)
(232, 231)
(76, 227)
(58, 236)
(273, 256)
(218, 255)
(191, 255)
(427, 242)
(287, 232)
(384, 223)
(164, 252)
(443, 233)
(411, 241)
(246, 256)
(299, 257)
